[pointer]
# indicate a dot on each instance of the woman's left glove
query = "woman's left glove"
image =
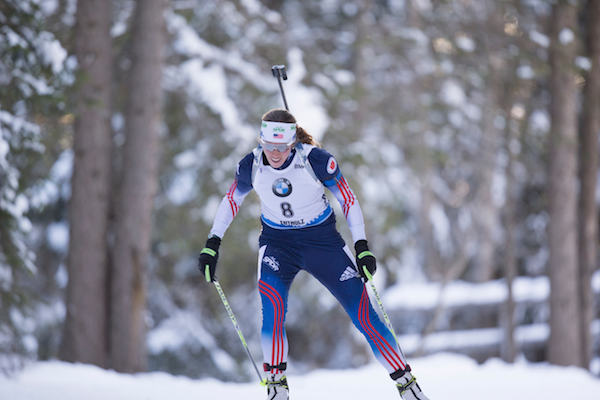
(207, 261)
(365, 259)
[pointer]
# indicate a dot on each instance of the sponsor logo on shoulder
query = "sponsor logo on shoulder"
(331, 165)
(271, 262)
(348, 273)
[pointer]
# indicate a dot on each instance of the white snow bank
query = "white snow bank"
(442, 376)
(459, 293)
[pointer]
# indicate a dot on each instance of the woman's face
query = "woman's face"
(276, 157)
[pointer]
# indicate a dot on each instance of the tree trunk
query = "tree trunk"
(85, 329)
(565, 338)
(137, 188)
(508, 349)
(486, 216)
(486, 212)
(588, 150)
(422, 162)
(360, 69)
(509, 346)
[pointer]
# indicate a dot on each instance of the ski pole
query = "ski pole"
(380, 303)
(279, 73)
(237, 328)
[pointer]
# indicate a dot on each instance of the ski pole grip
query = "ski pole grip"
(367, 273)
(207, 273)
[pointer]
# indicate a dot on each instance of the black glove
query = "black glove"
(207, 261)
(364, 258)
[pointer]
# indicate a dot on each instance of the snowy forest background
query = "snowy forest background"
(468, 130)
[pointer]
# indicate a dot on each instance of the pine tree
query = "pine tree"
(28, 80)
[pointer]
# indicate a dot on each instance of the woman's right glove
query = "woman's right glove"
(207, 261)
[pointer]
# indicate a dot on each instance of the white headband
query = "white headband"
(278, 132)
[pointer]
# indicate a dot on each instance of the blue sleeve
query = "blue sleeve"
(325, 166)
(243, 174)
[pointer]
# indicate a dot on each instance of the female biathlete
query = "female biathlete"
(289, 173)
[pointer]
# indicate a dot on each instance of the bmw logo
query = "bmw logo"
(282, 187)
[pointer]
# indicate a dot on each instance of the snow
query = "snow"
(423, 5)
(304, 102)
(458, 293)
(441, 227)
(205, 78)
(452, 93)
(540, 120)
(460, 340)
(188, 42)
(566, 36)
(210, 82)
(185, 159)
(48, 7)
(441, 376)
(525, 72)
(60, 176)
(6, 277)
(465, 43)
(252, 6)
(54, 54)
(596, 282)
(181, 328)
(540, 39)
(343, 77)
(57, 236)
(183, 188)
(63, 167)
(470, 339)
(584, 63)
(3, 152)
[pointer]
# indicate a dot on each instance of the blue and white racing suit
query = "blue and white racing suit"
(298, 233)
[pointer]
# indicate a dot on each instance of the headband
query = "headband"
(278, 132)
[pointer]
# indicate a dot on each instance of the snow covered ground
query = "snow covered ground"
(442, 376)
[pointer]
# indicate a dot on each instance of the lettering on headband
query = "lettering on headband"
(278, 132)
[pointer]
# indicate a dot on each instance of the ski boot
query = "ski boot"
(277, 386)
(277, 389)
(407, 385)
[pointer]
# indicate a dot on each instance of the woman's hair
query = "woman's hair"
(281, 115)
